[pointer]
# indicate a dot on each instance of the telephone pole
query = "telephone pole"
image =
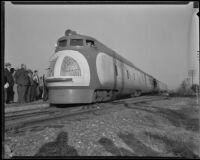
(199, 68)
(198, 87)
(191, 74)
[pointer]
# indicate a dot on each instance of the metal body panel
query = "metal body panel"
(66, 95)
(105, 70)
(126, 80)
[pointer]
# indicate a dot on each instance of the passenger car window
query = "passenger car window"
(127, 74)
(62, 43)
(76, 42)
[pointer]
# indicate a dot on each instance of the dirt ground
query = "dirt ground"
(165, 128)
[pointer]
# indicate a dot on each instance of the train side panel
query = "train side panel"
(114, 74)
(105, 70)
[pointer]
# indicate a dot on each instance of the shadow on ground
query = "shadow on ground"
(138, 148)
(175, 147)
(58, 148)
(110, 147)
(178, 148)
(185, 117)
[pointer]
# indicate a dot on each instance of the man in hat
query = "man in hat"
(36, 84)
(10, 83)
(12, 70)
(22, 81)
(30, 90)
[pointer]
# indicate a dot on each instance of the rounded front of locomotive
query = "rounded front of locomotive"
(69, 73)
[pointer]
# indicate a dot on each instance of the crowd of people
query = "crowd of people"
(30, 87)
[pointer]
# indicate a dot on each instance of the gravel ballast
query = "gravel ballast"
(145, 130)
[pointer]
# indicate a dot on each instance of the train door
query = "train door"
(145, 82)
(137, 80)
(118, 76)
(155, 84)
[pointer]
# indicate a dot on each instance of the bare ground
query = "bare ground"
(166, 128)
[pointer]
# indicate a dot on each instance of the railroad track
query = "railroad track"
(25, 119)
(140, 99)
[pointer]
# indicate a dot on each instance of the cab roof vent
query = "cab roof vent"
(69, 32)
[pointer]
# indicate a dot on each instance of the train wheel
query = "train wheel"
(95, 97)
(137, 93)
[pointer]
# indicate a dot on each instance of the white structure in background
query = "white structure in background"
(193, 48)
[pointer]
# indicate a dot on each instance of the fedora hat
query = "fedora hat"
(7, 64)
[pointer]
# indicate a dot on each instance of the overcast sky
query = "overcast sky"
(162, 40)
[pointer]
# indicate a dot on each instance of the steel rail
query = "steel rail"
(23, 121)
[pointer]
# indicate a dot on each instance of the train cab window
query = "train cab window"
(90, 43)
(62, 43)
(76, 42)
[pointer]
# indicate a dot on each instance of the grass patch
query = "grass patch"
(178, 148)
(186, 117)
(180, 118)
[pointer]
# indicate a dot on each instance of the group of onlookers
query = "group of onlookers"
(29, 84)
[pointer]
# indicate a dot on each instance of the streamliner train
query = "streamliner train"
(83, 70)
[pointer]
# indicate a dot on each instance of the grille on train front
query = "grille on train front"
(70, 67)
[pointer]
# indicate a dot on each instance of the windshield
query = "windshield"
(62, 43)
(76, 42)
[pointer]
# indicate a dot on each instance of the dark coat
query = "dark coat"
(8, 77)
(31, 81)
(5, 79)
(21, 77)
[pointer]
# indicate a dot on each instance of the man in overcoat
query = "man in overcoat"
(22, 80)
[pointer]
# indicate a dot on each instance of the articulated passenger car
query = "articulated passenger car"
(83, 70)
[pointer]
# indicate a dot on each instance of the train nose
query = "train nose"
(69, 67)
(68, 78)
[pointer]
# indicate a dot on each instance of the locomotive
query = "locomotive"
(84, 70)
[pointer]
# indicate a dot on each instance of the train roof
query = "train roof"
(100, 46)
(77, 36)
(72, 34)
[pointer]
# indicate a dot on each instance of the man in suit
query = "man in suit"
(10, 83)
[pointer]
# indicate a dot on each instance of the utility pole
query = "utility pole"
(191, 74)
(199, 68)
(198, 87)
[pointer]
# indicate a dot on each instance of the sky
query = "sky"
(162, 40)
